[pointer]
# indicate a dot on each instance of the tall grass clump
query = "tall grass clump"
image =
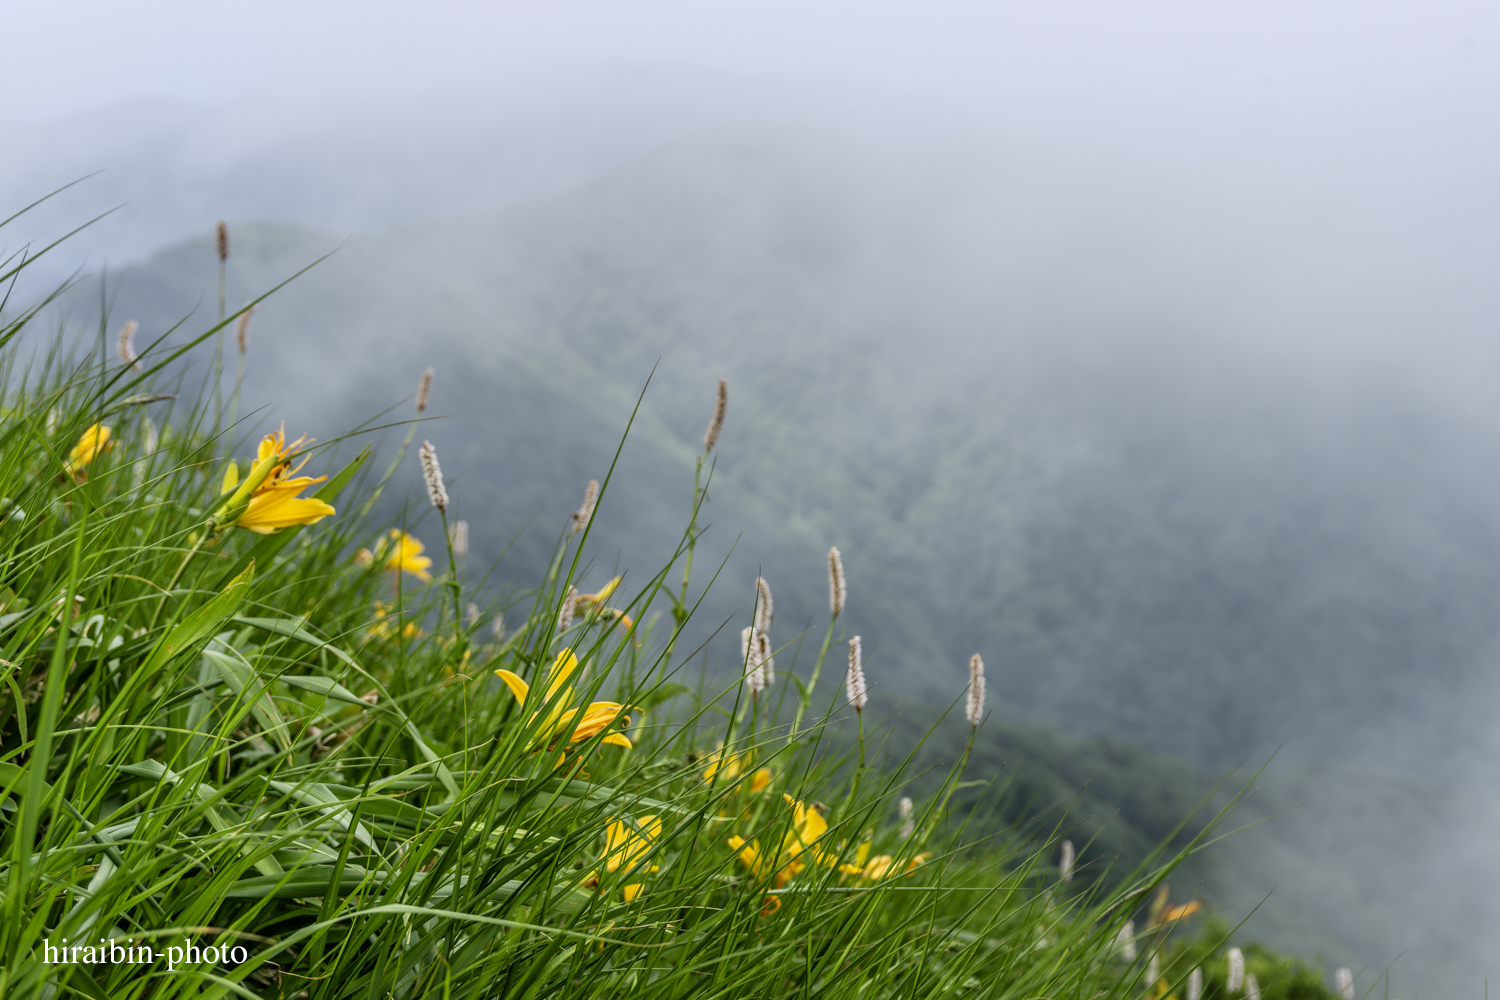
(251, 746)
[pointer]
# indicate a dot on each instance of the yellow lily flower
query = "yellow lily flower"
(882, 866)
(808, 825)
(582, 602)
(730, 766)
(624, 847)
(602, 595)
(91, 444)
(271, 510)
(1174, 913)
(406, 556)
(273, 487)
(568, 725)
(383, 629)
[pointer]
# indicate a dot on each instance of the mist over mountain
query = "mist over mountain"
(1129, 515)
(1172, 465)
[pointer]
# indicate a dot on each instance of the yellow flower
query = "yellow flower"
(582, 602)
(808, 825)
(406, 556)
(562, 724)
(882, 866)
(602, 595)
(727, 766)
(382, 628)
(279, 507)
(91, 444)
(273, 487)
(1174, 913)
(625, 845)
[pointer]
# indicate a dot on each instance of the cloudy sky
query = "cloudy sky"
(1332, 68)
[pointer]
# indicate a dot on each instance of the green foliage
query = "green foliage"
(1278, 977)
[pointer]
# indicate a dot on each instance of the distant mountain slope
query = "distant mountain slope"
(1151, 535)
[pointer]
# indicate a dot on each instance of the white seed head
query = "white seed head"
(767, 663)
(1195, 984)
(1153, 969)
(424, 390)
(126, 347)
(1125, 941)
(836, 591)
(152, 438)
(1343, 984)
(471, 614)
(460, 535)
(754, 679)
(976, 690)
(1065, 861)
(1252, 987)
(1236, 970)
(569, 607)
(221, 241)
(584, 514)
(242, 329)
(711, 437)
(908, 821)
(433, 473)
(762, 605)
(497, 626)
(854, 680)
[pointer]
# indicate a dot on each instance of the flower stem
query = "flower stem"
(805, 701)
(178, 575)
(452, 582)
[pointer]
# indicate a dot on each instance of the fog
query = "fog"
(1164, 333)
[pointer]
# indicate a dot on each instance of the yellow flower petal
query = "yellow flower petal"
(231, 477)
(281, 508)
(562, 668)
(619, 740)
(813, 828)
(760, 780)
(632, 891)
(406, 556)
(92, 443)
(518, 687)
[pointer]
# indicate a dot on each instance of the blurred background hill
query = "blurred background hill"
(1204, 475)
